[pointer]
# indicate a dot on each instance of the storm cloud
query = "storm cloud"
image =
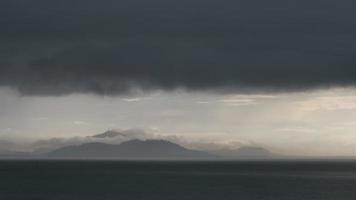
(53, 47)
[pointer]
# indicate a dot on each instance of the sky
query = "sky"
(278, 73)
(318, 122)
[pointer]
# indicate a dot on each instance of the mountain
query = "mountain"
(246, 152)
(109, 137)
(109, 134)
(122, 135)
(133, 149)
(132, 143)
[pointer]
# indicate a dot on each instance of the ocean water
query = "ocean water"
(125, 180)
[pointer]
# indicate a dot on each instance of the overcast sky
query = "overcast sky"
(319, 122)
(279, 73)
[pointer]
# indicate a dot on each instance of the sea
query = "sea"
(177, 180)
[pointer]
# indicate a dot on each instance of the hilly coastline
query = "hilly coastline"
(133, 149)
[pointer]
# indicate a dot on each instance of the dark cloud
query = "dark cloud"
(107, 47)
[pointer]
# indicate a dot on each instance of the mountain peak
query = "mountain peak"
(109, 134)
(151, 142)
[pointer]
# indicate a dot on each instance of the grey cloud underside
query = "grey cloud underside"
(107, 47)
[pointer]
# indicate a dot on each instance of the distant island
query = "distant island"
(133, 149)
(154, 149)
(133, 145)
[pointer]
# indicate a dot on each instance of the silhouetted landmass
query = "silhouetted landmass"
(133, 149)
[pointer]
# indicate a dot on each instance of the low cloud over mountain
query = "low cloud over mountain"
(113, 143)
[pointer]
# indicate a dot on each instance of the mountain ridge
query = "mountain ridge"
(109, 134)
(132, 149)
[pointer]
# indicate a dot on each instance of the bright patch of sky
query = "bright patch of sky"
(319, 122)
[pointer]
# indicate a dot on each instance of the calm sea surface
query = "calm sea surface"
(125, 180)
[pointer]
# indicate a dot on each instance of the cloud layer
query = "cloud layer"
(53, 47)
